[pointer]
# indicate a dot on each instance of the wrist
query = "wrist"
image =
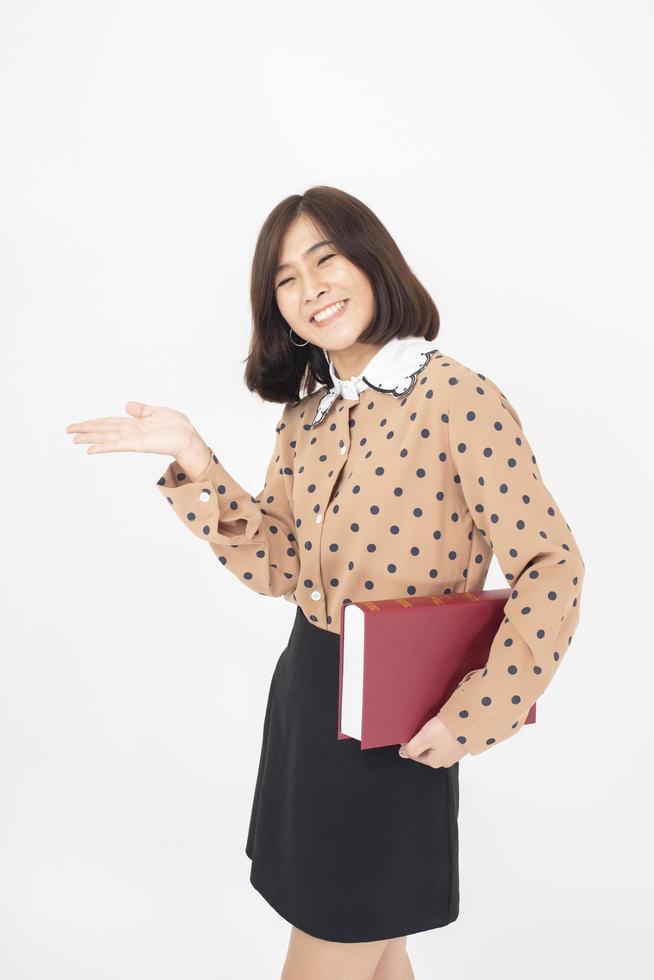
(195, 458)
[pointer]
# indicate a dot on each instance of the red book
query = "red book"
(401, 659)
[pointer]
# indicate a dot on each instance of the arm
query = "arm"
(253, 539)
(515, 512)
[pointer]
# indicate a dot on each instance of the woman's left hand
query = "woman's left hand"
(434, 746)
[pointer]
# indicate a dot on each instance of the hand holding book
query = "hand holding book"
(434, 746)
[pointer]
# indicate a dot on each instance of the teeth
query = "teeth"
(325, 314)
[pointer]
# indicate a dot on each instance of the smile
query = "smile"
(331, 313)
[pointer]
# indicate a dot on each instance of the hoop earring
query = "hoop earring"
(293, 342)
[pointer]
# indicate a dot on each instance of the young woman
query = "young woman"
(401, 474)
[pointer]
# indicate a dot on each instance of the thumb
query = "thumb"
(138, 409)
(416, 746)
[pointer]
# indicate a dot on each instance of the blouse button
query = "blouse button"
(204, 495)
(318, 518)
(342, 450)
(315, 595)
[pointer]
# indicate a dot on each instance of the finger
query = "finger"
(139, 409)
(427, 759)
(430, 758)
(118, 447)
(106, 442)
(96, 424)
(416, 746)
(96, 436)
(406, 753)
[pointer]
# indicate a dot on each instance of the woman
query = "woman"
(400, 474)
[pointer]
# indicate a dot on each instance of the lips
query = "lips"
(346, 301)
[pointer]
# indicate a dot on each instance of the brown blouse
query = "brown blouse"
(404, 481)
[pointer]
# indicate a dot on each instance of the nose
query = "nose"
(313, 292)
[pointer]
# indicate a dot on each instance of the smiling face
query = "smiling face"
(314, 275)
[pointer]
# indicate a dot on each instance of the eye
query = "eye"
(323, 259)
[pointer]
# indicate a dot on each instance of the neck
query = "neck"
(351, 362)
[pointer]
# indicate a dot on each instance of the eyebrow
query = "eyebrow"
(313, 248)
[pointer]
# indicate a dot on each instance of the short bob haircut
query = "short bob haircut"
(277, 369)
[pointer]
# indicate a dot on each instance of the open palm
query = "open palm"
(146, 429)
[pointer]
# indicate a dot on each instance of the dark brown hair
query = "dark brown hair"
(277, 369)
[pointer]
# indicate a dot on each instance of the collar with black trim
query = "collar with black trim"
(392, 370)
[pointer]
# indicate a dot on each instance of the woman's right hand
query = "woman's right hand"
(148, 429)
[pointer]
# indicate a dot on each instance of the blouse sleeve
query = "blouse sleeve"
(516, 514)
(252, 536)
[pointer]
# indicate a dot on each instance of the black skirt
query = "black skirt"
(346, 844)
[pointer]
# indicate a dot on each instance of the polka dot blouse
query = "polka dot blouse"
(405, 481)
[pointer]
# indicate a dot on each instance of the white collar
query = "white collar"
(392, 370)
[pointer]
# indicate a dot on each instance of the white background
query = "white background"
(508, 148)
